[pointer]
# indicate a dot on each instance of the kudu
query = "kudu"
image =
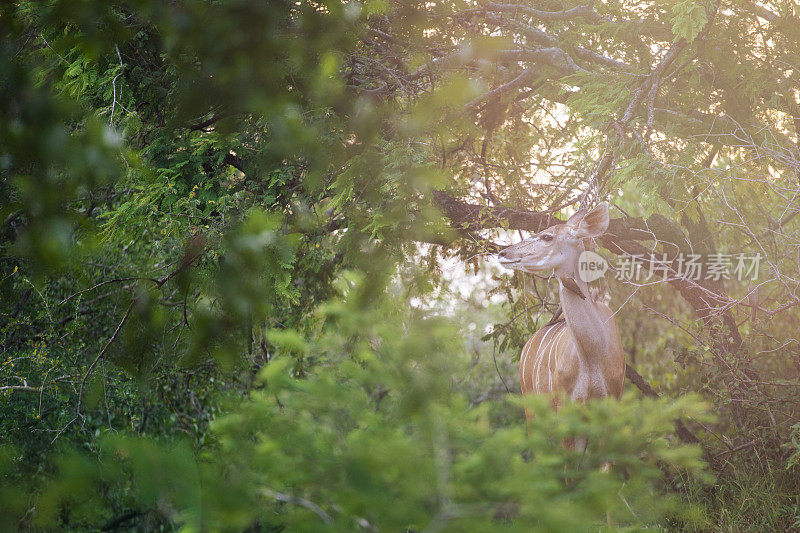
(580, 357)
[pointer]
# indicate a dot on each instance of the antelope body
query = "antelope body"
(580, 357)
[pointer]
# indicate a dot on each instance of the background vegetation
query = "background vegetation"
(243, 282)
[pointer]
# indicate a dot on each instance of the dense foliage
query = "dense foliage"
(242, 274)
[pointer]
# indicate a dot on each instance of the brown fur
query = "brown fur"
(553, 359)
(581, 357)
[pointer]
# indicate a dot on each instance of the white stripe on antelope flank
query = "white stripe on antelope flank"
(535, 374)
(542, 347)
(556, 347)
(553, 344)
(524, 361)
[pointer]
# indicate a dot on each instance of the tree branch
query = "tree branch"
(680, 428)
(546, 40)
(473, 217)
(99, 356)
(579, 11)
(20, 388)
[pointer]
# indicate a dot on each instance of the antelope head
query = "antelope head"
(558, 247)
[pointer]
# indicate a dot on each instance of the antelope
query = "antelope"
(580, 357)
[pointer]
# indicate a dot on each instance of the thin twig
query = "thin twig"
(308, 504)
(99, 356)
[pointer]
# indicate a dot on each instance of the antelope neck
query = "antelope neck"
(587, 325)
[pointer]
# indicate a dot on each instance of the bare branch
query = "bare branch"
(579, 11)
(680, 428)
(20, 388)
(308, 504)
(99, 356)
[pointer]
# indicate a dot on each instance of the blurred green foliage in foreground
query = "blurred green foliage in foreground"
(222, 297)
(375, 437)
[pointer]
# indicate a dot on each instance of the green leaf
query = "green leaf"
(688, 19)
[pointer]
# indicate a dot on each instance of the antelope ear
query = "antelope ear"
(575, 219)
(590, 224)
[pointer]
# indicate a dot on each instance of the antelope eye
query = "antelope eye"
(546, 237)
